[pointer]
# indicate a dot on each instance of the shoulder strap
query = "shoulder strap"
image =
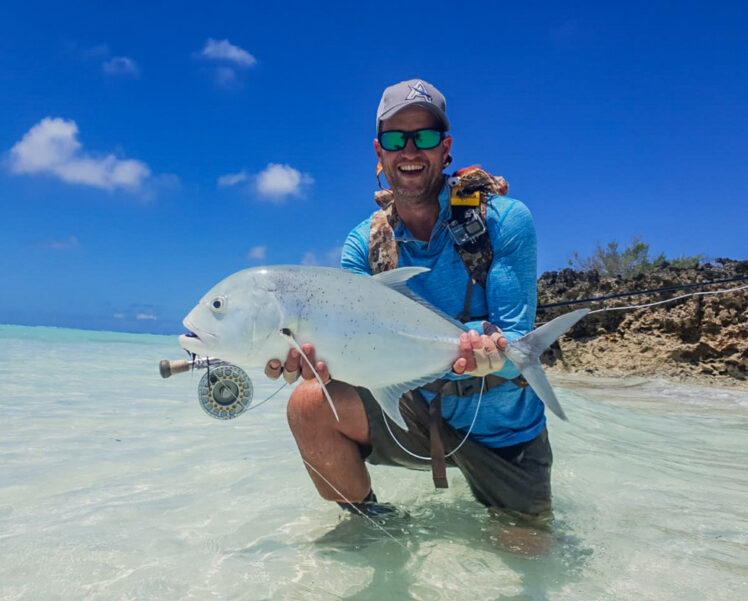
(383, 250)
(478, 257)
(383, 254)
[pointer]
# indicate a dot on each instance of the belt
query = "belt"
(470, 386)
(463, 388)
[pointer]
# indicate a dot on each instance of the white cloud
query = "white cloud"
(257, 253)
(51, 147)
(70, 242)
(231, 179)
(136, 312)
(223, 50)
(278, 181)
(121, 65)
(330, 258)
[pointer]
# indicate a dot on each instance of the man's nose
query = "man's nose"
(410, 147)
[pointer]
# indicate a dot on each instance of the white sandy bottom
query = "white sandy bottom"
(115, 485)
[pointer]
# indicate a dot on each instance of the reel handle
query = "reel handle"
(169, 368)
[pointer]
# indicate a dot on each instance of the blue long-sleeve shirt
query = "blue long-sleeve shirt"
(508, 414)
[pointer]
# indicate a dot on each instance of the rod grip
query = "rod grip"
(169, 368)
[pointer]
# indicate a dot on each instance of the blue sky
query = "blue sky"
(149, 149)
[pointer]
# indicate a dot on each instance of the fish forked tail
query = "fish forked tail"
(525, 354)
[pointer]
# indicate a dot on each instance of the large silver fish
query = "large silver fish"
(371, 331)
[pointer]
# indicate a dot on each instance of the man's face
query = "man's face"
(414, 174)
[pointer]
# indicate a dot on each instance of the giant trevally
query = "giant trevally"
(372, 331)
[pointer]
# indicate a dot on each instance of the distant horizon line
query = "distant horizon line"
(89, 328)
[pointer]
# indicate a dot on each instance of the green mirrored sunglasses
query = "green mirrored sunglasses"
(422, 138)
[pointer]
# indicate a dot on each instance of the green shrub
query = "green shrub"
(634, 259)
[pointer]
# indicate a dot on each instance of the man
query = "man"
(506, 458)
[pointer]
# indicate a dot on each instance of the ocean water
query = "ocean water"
(115, 485)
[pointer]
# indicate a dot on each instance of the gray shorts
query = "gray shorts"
(517, 478)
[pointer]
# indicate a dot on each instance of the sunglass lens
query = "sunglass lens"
(427, 138)
(392, 140)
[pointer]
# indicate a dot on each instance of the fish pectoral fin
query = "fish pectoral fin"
(389, 400)
(388, 397)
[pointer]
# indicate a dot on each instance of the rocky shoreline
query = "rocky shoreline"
(701, 338)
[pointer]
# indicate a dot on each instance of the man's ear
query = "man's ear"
(446, 148)
(378, 150)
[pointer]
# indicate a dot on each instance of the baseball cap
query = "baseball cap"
(413, 92)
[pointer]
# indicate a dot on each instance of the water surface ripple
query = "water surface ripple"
(115, 485)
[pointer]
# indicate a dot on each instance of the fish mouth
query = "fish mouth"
(195, 340)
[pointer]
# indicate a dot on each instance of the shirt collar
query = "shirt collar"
(402, 234)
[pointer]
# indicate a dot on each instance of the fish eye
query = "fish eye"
(218, 304)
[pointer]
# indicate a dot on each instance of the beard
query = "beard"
(424, 190)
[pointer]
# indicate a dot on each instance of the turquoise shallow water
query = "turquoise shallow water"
(115, 485)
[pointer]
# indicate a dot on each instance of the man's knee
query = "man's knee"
(307, 405)
(309, 411)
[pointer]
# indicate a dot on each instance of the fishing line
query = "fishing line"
(475, 417)
(642, 306)
(216, 379)
(640, 292)
(453, 451)
(270, 397)
(288, 335)
(224, 388)
(662, 302)
(330, 484)
(669, 300)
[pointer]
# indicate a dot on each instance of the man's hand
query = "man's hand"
(295, 366)
(481, 355)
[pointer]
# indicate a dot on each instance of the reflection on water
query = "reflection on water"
(115, 485)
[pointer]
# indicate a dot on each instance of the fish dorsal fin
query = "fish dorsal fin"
(397, 279)
(389, 396)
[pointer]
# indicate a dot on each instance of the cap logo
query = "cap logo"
(418, 91)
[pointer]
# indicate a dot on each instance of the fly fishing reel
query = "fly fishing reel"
(224, 391)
